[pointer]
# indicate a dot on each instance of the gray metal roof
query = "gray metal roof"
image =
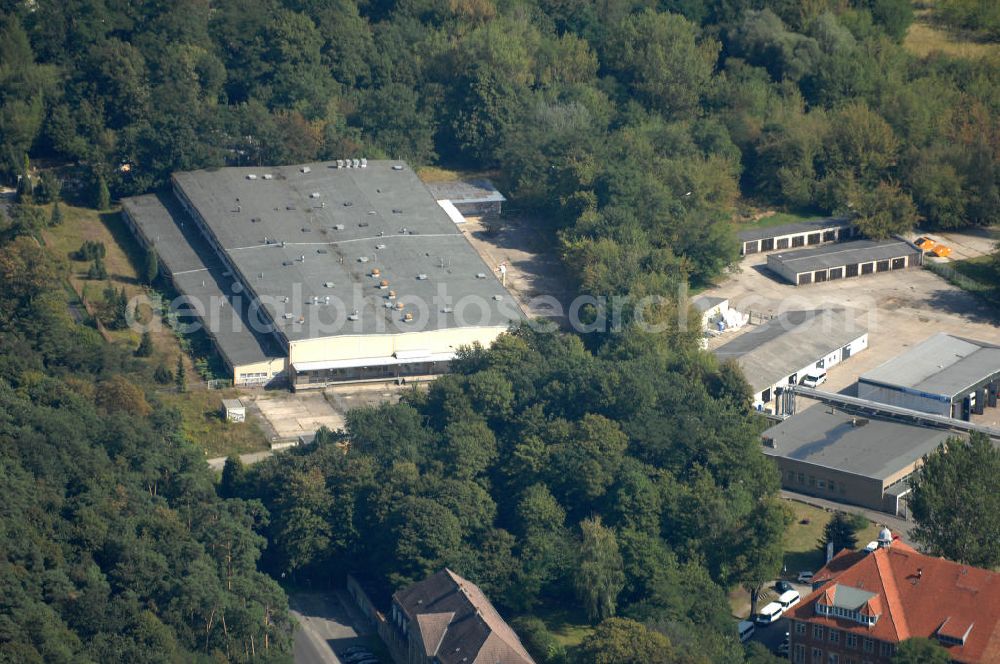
(850, 598)
(771, 352)
(843, 253)
(829, 438)
(812, 226)
(479, 190)
(200, 276)
(705, 302)
(328, 225)
(943, 364)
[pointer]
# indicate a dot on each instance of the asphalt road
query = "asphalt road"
(327, 623)
(769, 635)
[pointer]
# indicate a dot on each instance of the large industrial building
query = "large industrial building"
(792, 236)
(783, 350)
(860, 460)
(322, 273)
(844, 261)
(943, 375)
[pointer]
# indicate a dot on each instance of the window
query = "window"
(812, 481)
(800, 628)
(800, 654)
(833, 658)
(885, 649)
(791, 476)
(869, 645)
(802, 478)
(817, 632)
(817, 656)
(821, 484)
(834, 636)
(851, 640)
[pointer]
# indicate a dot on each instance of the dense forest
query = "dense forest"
(115, 545)
(621, 475)
(554, 478)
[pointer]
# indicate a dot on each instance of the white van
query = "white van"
(788, 599)
(769, 614)
(814, 378)
(746, 630)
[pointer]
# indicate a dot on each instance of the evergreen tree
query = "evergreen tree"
(102, 195)
(162, 374)
(57, 216)
(842, 530)
(145, 348)
(152, 266)
(97, 271)
(180, 376)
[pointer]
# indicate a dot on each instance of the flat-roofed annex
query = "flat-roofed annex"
(298, 235)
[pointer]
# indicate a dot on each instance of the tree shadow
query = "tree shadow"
(130, 247)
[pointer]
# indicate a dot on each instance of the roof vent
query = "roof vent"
(307, 230)
(287, 263)
(251, 176)
(391, 295)
(859, 421)
(380, 246)
(397, 167)
(397, 211)
(363, 224)
(315, 194)
(328, 284)
(362, 259)
(357, 163)
(305, 169)
(348, 203)
(448, 310)
(400, 305)
(267, 176)
(364, 162)
(376, 272)
(481, 275)
(322, 251)
(408, 317)
(498, 297)
(340, 163)
(338, 227)
(422, 277)
(384, 284)
(388, 304)
(288, 316)
(289, 207)
(353, 316)
(254, 220)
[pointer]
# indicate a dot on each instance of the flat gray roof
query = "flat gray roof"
(292, 230)
(829, 438)
(477, 190)
(200, 276)
(943, 365)
(771, 352)
(811, 226)
(843, 253)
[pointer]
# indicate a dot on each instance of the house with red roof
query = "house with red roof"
(864, 603)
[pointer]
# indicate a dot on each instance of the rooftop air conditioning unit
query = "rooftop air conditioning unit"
(340, 163)
(422, 277)
(364, 163)
(362, 259)
(481, 275)
(357, 163)
(338, 227)
(315, 194)
(288, 316)
(353, 316)
(397, 167)
(328, 284)
(251, 176)
(267, 176)
(305, 169)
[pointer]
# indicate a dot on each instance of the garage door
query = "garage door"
(867, 268)
(882, 266)
(836, 273)
(820, 276)
(852, 270)
(898, 263)
(805, 278)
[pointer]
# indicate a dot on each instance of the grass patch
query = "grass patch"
(925, 37)
(803, 536)
(984, 269)
(204, 424)
(432, 174)
(569, 626)
(780, 219)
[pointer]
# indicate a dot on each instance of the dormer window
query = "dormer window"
(954, 632)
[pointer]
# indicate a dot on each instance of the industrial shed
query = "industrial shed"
(944, 375)
(783, 350)
(476, 198)
(792, 236)
(322, 273)
(864, 461)
(844, 261)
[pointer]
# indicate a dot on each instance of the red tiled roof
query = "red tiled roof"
(916, 595)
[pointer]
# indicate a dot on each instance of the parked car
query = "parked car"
(358, 657)
(769, 614)
(783, 586)
(805, 577)
(814, 378)
(353, 650)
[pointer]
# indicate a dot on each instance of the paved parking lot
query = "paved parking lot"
(291, 415)
(900, 309)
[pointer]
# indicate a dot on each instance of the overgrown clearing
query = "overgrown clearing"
(803, 536)
(925, 37)
(199, 408)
